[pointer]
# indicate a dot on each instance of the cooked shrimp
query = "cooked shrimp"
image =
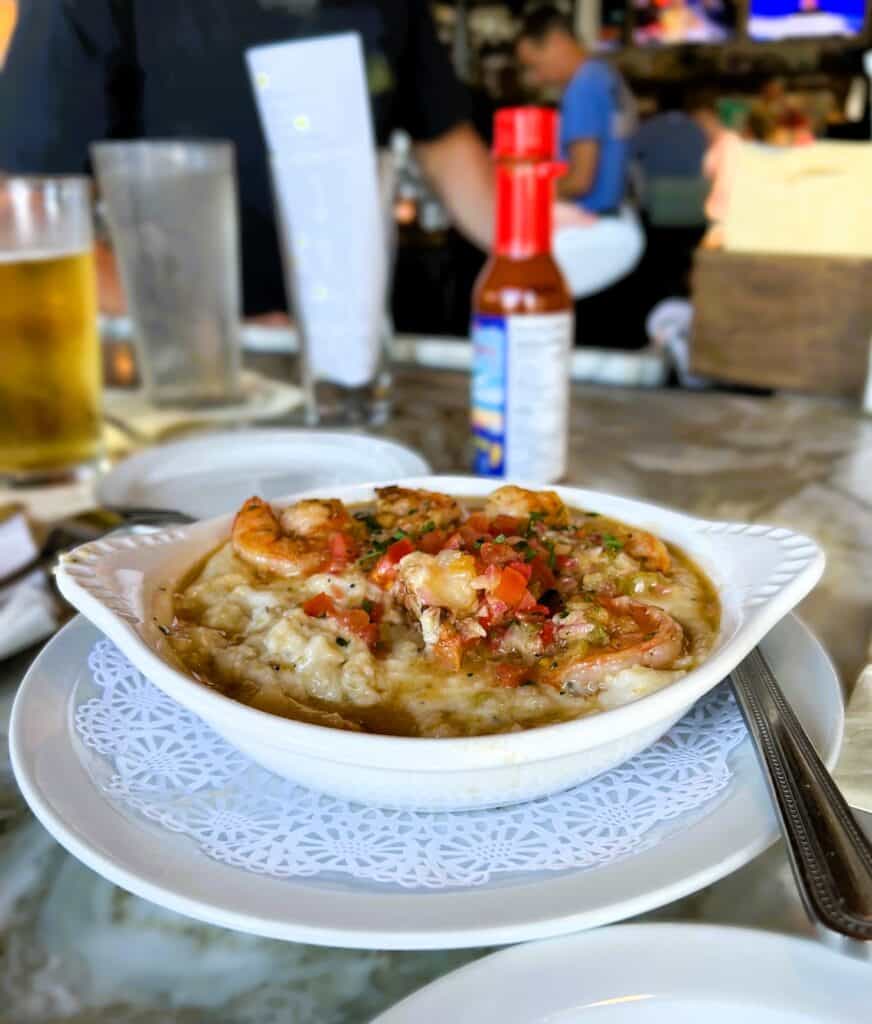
(402, 508)
(649, 550)
(522, 504)
(300, 551)
(314, 517)
(438, 581)
(638, 634)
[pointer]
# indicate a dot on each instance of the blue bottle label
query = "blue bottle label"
(520, 395)
(489, 394)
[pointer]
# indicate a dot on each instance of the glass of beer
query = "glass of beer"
(49, 347)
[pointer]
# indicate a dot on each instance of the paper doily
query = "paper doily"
(167, 765)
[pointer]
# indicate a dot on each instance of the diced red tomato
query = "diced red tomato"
(399, 549)
(343, 551)
(386, 567)
(454, 542)
(356, 619)
(524, 568)
(357, 622)
(547, 634)
(497, 554)
(319, 606)
(542, 574)
(527, 602)
(432, 542)
(478, 522)
(512, 587)
(562, 562)
(505, 524)
(510, 675)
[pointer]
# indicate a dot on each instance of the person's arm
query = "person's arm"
(583, 158)
(584, 112)
(433, 108)
(460, 169)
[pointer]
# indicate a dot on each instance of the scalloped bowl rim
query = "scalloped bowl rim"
(449, 754)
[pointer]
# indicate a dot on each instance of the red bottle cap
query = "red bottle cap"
(525, 145)
(525, 133)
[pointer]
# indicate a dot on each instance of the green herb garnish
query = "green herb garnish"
(368, 560)
(367, 605)
(368, 520)
(428, 527)
(535, 517)
(342, 641)
(552, 558)
(500, 538)
(611, 543)
(399, 535)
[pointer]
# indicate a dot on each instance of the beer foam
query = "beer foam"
(41, 255)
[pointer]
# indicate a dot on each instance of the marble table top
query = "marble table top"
(74, 948)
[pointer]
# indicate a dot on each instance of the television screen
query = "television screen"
(665, 22)
(792, 19)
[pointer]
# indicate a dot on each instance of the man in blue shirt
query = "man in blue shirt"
(596, 110)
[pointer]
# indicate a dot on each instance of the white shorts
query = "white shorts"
(596, 255)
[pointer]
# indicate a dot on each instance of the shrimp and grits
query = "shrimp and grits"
(422, 614)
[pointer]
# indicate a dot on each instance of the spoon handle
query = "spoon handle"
(830, 856)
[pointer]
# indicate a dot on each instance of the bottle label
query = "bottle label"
(520, 395)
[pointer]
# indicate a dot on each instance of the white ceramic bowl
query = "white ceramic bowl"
(124, 585)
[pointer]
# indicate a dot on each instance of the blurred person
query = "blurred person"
(668, 144)
(83, 70)
(760, 125)
(791, 125)
(719, 163)
(8, 18)
(597, 112)
(598, 241)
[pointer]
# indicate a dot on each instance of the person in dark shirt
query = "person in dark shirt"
(82, 70)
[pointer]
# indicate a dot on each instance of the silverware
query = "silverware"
(830, 857)
(92, 524)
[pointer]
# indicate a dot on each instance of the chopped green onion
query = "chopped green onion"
(611, 543)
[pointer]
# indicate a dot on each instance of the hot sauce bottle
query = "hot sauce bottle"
(522, 323)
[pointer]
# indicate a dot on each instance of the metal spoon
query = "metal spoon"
(829, 854)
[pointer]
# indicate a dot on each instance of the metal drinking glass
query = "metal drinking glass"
(173, 215)
(50, 415)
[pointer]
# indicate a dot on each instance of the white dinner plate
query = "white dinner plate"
(51, 766)
(212, 473)
(650, 974)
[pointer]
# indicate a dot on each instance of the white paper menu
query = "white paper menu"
(314, 107)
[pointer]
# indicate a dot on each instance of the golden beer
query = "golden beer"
(49, 362)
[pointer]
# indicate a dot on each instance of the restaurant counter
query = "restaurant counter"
(76, 948)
